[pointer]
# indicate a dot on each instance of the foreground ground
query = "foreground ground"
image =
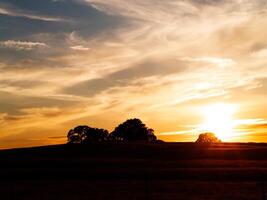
(135, 171)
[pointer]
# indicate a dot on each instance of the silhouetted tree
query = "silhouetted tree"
(86, 134)
(207, 138)
(133, 130)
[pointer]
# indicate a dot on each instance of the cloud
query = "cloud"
(251, 126)
(54, 18)
(17, 13)
(22, 45)
(220, 62)
(125, 77)
(80, 48)
(262, 84)
(23, 101)
(192, 132)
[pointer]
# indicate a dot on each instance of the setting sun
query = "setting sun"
(185, 67)
(218, 118)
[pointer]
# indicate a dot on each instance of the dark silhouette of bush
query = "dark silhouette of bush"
(133, 130)
(86, 134)
(207, 138)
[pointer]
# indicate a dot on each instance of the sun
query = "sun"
(218, 118)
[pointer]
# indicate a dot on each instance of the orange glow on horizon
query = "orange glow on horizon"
(219, 119)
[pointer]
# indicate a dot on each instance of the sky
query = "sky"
(65, 63)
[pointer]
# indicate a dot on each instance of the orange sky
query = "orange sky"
(98, 62)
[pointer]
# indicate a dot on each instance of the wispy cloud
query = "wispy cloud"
(80, 48)
(220, 62)
(22, 45)
(18, 13)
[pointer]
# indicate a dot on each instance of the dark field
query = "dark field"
(135, 171)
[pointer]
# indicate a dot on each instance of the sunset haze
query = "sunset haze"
(182, 66)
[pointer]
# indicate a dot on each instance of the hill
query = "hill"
(135, 171)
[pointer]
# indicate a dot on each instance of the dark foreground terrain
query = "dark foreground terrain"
(135, 171)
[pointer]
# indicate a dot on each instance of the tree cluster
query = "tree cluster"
(132, 130)
(129, 131)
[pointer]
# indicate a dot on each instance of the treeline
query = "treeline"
(132, 130)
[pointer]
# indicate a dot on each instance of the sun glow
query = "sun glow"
(218, 118)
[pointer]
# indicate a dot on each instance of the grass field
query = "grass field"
(135, 171)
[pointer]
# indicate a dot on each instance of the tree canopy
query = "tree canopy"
(86, 134)
(133, 130)
(207, 138)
